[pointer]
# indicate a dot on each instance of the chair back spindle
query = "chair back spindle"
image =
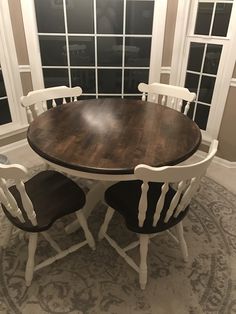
(167, 95)
(36, 101)
(187, 177)
(17, 174)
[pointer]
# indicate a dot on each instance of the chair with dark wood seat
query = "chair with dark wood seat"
(150, 205)
(175, 97)
(37, 101)
(35, 205)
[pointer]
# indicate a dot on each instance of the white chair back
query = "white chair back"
(187, 178)
(17, 174)
(168, 95)
(33, 99)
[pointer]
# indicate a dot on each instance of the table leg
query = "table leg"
(95, 194)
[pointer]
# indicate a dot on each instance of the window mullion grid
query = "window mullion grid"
(67, 42)
(95, 47)
(4, 97)
(199, 82)
(212, 18)
(123, 51)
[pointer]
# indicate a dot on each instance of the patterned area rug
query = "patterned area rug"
(97, 282)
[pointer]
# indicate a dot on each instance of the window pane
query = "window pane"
(110, 51)
(191, 82)
(53, 50)
(212, 58)
(137, 51)
(110, 16)
(5, 116)
(195, 57)
(109, 81)
(50, 16)
(55, 77)
(201, 116)
(2, 86)
(221, 20)
(191, 109)
(204, 15)
(80, 16)
(132, 78)
(85, 78)
(139, 17)
(81, 51)
(206, 89)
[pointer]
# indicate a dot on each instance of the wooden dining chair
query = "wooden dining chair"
(150, 205)
(35, 205)
(38, 101)
(168, 95)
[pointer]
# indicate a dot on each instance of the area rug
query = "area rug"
(97, 282)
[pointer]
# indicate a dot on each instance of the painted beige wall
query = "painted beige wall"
(227, 146)
(227, 134)
(18, 31)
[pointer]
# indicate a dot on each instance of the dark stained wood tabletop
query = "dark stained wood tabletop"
(112, 136)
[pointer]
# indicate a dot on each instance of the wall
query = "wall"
(227, 142)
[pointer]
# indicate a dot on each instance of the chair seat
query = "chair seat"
(53, 196)
(124, 197)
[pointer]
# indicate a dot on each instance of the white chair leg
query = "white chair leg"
(183, 245)
(30, 262)
(83, 223)
(104, 226)
(7, 235)
(144, 240)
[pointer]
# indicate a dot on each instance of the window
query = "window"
(208, 58)
(5, 114)
(104, 46)
(12, 116)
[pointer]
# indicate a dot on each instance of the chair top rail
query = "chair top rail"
(168, 90)
(13, 171)
(50, 93)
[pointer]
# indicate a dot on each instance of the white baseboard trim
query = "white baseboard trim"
(7, 148)
(217, 160)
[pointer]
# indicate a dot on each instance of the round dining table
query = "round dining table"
(110, 136)
(106, 138)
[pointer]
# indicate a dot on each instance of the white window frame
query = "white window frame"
(11, 75)
(30, 24)
(183, 35)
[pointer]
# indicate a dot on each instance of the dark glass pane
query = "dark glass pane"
(82, 51)
(132, 77)
(191, 82)
(83, 97)
(109, 81)
(55, 77)
(110, 51)
(195, 57)
(137, 51)
(139, 17)
(50, 16)
(110, 16)
(201, 116)
(2, 86)
(5, 115)
(85, 78)
(53, 50)
(221, 20)
(204, 15)
(212, 58)
(80, 16)
(191, 109)
(206, 89)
